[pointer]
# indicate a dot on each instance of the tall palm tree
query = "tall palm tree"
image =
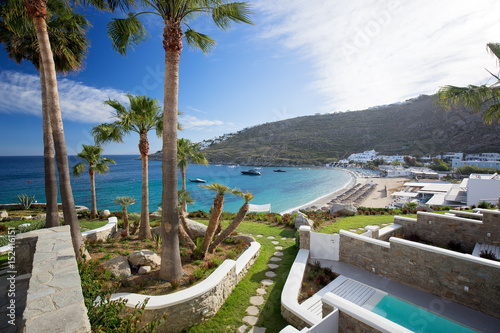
(217, 208)
(37, 11)
(234, 224)
(125, 202)
(186, 150)
(478, 98)
(141, 116)
(125, 33)
(92, 155)
(69, 44)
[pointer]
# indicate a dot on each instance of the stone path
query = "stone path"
(253, 311)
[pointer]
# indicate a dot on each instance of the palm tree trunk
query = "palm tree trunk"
(171, 266)
(212, 224)
(51, 209)
(183, 181)
(125, 219)
(144, 229)
(230, 228)
(184, 238)
(93, 200)
(68, 203)
(185, 225)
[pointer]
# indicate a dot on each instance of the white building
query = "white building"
(363, 157)
(476, 163)
(483, 157)
(482, 187)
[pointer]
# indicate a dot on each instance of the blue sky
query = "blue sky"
(300, 58)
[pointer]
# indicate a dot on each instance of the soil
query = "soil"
(315, 279)
(195, 269)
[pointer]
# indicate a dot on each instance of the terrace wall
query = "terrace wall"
(460, 278)
(440, 229)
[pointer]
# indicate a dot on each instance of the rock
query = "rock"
(299, 213)
(197, 228)
(343, 209)
(144, 258)
(144, 270)
(119, 267)
(24, 225)
(301, 220)
(42, 216)
(156, 231)
(3, 214)
(246, 239)
(6, 219)
(104, 213)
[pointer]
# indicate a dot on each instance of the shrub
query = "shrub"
(25, 200)
(455, 246)
(488, 255)
(485, 205)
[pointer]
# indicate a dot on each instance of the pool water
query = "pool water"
(415, 318)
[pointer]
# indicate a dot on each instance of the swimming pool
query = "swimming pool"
(415, 318)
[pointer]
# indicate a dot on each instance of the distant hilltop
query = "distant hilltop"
(415, 127)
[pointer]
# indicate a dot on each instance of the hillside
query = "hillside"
(415, 128)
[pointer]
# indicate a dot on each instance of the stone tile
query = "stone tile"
(283, 238)
(257, 300)
(39, 306)
(259, 236)
(271, 237)
(270, 274)
(250, 320)
(278, 254)
(253, 310)
(242, 328)
(267, 282)
(279, 248)
(67, 296)
(261, 291)
(275, 259)
(257, 329)
(275, 242)
(352, 230)
(273, 266)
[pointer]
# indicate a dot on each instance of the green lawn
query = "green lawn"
(358, 221)
(84, 224)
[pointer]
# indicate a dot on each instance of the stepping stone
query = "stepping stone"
(260, 236)
(384, 223)
(257, 329)
(271, 237)
(253, 310)
(283, 238)
(361, 228)
(267, 282)
(257, 300)
(273, 266)
(352, 230)
(275, 242)
(279, 247)
(242, 328)
(250, 320)
(261, 291)
(270, 274)
(275, 259)
(278, 254)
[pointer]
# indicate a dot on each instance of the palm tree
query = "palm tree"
(92, 156)
(69, 45)
(142, 116)
(125, 202)
(221, 190)
(478, 98)
(186, 150)
(234, 224)
(125, 33)
(37, 11)
(185, 234)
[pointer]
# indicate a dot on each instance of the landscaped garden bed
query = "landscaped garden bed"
(315, 279)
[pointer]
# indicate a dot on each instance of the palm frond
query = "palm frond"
(225, 14)
(108, 132)
(125, 33)
(124, 201)
(78, 169)
(199, 40)
(494, 48)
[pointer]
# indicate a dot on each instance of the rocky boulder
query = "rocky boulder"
(245, 238)
(104, 213)
(41, 216)
(197, 228)
(144, 270)
(3, 214)
(144, 258)
(301, 220)
(119, 267)
(156, 230)
(343, 209)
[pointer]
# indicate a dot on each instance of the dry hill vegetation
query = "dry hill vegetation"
(415, 127)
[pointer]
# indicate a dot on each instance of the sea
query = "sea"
(283, 190)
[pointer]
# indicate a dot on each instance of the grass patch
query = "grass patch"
(356, 222)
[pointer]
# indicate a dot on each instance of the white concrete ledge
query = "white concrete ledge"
(369, 318)
(389, 229)
(450, 253)
(103, 232)
(364, 239)
(246, 256)
(404, 218)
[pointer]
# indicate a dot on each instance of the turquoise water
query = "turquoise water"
(287, 190)
(415, 318)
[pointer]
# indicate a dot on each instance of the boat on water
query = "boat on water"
(251, 172)
(197, 180)
(279, 170)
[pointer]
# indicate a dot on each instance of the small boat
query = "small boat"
(279, 170)
(197, 180)
(251, 172)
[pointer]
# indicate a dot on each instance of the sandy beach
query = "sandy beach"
(379, 198)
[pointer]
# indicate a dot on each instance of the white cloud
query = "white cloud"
(20, 93)
(367, 53)
(195, 123)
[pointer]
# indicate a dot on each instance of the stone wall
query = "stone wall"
(54, 297)
(460, 278)
(102, 233)
(443, 228)
(353, 325)
(293, 319)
